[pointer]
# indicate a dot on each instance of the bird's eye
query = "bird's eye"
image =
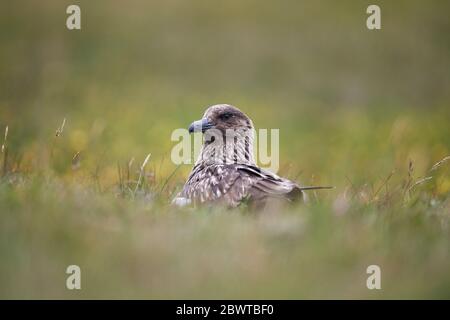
(226, 116)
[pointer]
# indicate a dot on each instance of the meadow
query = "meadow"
(365, 111)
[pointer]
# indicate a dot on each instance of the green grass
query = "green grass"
(132, 244)
(364, 111)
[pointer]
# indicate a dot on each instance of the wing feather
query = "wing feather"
(233, 183)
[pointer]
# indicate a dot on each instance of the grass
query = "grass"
(83, 111)
(130, 243)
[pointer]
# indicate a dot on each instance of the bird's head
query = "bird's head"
(228, 135)
(222, 117)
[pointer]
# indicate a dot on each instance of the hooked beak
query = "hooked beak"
(200, 125)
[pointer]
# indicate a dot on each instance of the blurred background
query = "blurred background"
(352, 105)
(135, 72)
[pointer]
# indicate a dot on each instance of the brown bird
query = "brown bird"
(225, 171)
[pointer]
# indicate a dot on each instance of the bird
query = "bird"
(225, 172)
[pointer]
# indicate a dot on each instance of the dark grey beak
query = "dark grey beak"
(200, 125)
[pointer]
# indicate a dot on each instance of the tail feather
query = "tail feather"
(304, 188)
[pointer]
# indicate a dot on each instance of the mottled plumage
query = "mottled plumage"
(225, 172)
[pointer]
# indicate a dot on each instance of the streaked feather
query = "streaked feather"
(229, 175)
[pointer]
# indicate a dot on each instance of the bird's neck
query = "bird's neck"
(227, 148)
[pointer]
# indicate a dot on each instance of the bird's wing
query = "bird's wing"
(235, 182)
(267, 184)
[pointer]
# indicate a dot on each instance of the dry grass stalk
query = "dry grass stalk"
(76, 161)
(58, 133)
(409, 180)
(119, 172)
(384, 184)
(166, 181)
(141, 173)
(130, 165)
(5, 151)
(418, 182)
(5, 139)
(145, 162)
(440, 163)
(60, 130)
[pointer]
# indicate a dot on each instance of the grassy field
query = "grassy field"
(365, 111)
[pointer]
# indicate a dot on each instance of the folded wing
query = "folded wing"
(235, 183)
